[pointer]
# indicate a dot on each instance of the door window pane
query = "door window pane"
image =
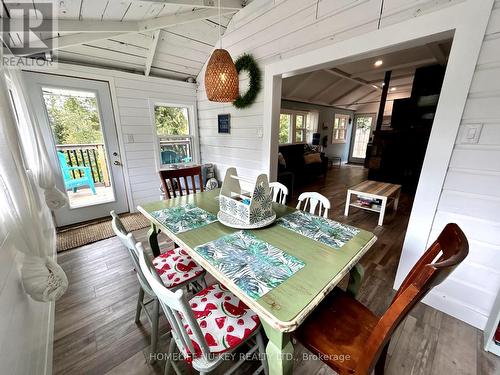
(362, 133)
(76, 126)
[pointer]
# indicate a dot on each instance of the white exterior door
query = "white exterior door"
(360, 136)
(77, 122)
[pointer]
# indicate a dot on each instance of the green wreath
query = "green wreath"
(247, 62)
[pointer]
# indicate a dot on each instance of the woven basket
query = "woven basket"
(221, 77)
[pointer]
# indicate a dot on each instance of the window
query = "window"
(294, 127)
(174, 135)
(339, 131)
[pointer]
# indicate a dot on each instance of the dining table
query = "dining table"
(284, 307)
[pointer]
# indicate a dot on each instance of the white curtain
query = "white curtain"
(26, 183)
(37, 159)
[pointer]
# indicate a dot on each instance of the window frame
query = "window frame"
(334, 138)
(292, 133)
(193, 133)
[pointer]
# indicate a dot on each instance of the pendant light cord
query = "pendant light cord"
(220, 32)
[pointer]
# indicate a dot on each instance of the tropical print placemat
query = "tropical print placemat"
(318, 228)
(255, 266)
(183, 218)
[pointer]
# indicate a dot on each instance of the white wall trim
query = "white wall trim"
(192, 121)
(468, 21)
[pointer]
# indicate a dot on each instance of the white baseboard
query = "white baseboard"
(457, 309)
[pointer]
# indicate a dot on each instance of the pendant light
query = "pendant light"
(221, 76)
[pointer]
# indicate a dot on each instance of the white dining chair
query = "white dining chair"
(212, 323)
(279, 192)
(191, 273)
(314, 200)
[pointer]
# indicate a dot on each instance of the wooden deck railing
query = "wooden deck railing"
(90, 155)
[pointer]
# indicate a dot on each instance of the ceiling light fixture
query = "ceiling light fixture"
(221, 76)
(393, 89)
(378, 63)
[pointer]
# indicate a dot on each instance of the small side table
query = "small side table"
(387, 193)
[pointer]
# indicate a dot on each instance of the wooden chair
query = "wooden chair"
(314, 200)
(353, 340)
(171, 181)
(212, 323)
(190, 274)
(279, 191)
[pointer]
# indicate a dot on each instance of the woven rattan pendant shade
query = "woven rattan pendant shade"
(221, 77)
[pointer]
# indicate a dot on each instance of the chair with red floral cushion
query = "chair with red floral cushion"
(212, 323)
(174, 268)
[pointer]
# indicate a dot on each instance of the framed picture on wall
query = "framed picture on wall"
(224, 123)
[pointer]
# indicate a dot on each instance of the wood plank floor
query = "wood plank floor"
(95, 331)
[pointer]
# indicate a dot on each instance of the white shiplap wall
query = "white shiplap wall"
(271, 30)
(471, 193)
(133, 97)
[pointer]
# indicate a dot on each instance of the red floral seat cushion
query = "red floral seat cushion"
(224, 320)
(176, 267)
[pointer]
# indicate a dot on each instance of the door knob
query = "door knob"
(116, 162)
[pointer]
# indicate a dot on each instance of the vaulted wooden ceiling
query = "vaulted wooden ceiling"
(358, 83)
(168, 38)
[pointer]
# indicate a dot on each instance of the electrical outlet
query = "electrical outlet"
(259, 132)
(470, 133)
(130, 138)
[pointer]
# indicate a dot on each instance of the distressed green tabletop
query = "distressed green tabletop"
(285, 307)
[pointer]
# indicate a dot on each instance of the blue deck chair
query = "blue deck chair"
(74, 183)
(169, 157)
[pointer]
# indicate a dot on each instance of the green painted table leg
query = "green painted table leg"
(355, 279)
(279, 351)
(153, 240)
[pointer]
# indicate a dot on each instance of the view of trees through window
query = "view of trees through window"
(285, 122)
(172, 129)
(73, 116)
(171, 120)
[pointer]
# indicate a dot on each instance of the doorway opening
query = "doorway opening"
(361, 133)
(370, 120)
(77, 122)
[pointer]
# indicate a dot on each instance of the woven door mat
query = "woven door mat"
(76, 236)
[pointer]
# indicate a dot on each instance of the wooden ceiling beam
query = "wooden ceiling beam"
(303, 83)
(349, 92)
(365, 95)
(344, 75)
(209, 4)
(87, 36)
(151, 53)
(324, 90)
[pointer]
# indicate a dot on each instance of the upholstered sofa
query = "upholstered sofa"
(299, 161)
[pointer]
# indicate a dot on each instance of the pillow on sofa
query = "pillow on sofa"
(312, 158)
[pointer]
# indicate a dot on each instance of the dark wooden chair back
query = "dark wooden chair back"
(442, 257)
(174, 177)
